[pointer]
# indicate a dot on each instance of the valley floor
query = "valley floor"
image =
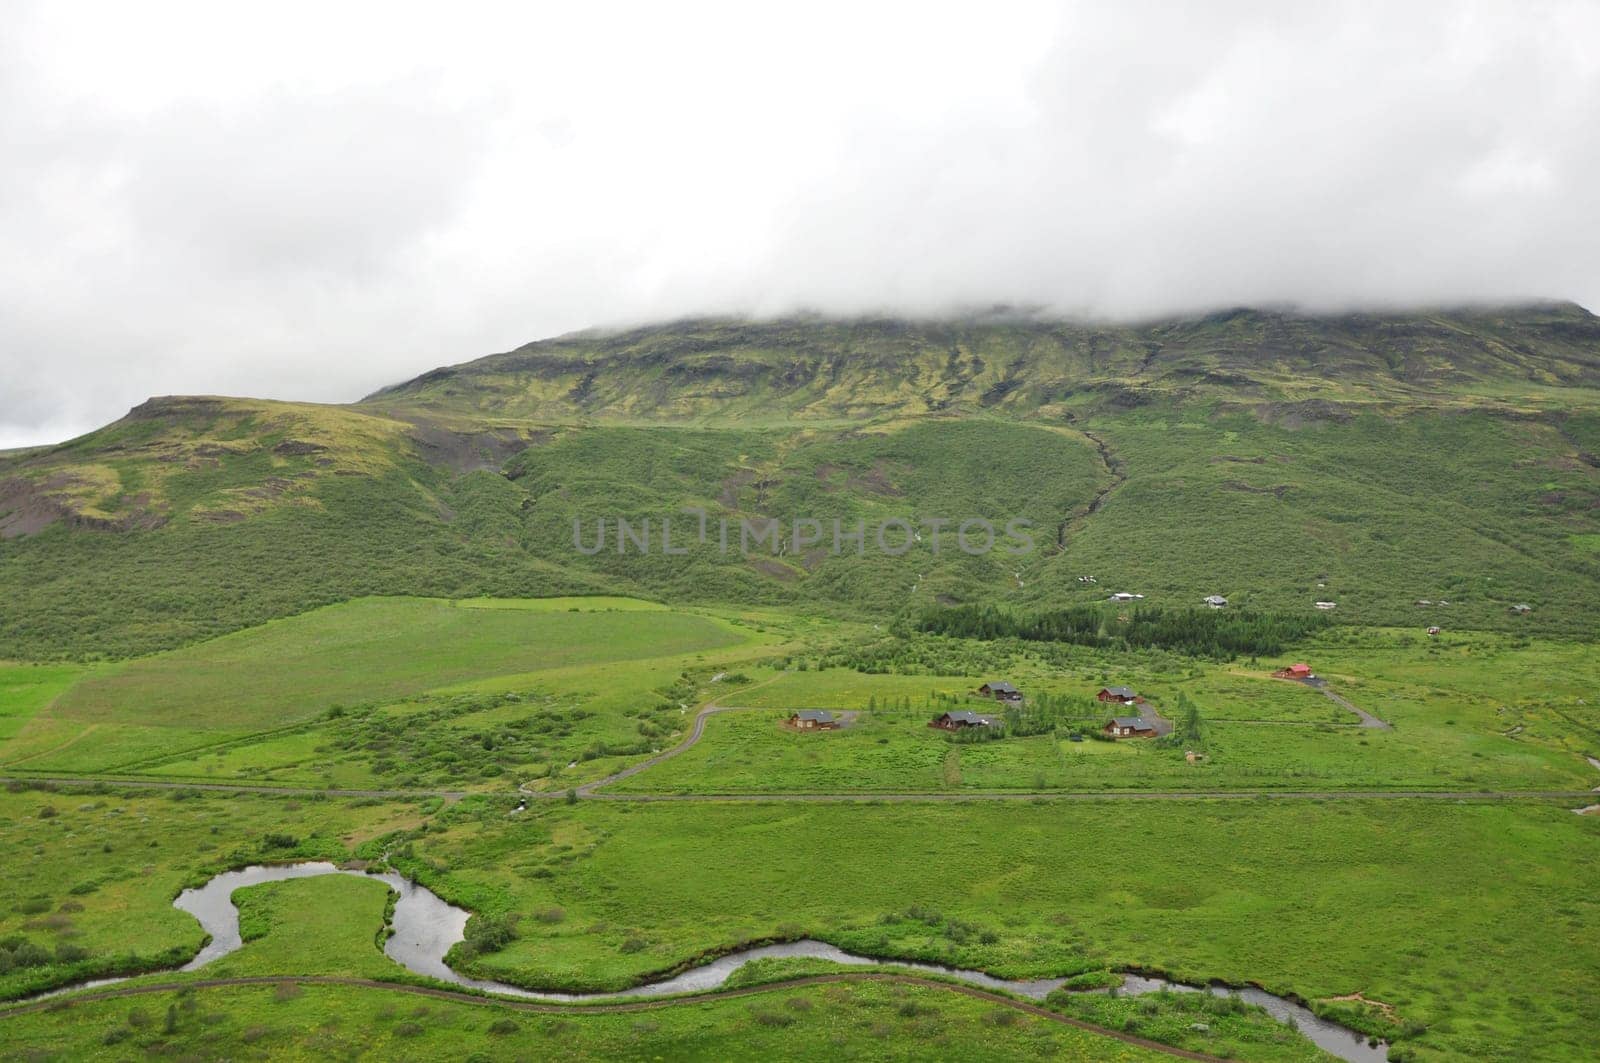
(614, 790)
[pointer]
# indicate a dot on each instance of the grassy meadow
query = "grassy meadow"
(754, 753)
(90, 876)
(1427, 907)
(1453, 728)
(860, 1021)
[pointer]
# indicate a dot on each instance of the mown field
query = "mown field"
(264, 702)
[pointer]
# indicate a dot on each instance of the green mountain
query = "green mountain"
(1373, 460)
(725, 370)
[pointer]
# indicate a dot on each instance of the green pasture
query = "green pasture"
(1475, 920)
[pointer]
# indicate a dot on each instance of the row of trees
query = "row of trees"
(1211, 633)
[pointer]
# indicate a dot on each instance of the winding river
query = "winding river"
(426, 926)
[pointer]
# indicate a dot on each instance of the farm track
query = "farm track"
(696, 730)
(451, 796)
(868, 797)
(1367, 719)
(997, 999)
(864, 796)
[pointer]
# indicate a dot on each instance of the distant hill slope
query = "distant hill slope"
(1375, 461)
(821, 369)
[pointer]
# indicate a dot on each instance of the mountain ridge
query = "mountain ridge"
(818, 368)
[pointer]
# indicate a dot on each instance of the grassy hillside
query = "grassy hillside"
(1277, 460)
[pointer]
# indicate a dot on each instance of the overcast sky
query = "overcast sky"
(312, 200)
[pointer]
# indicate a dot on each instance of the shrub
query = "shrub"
(491, 933)
(18, 953)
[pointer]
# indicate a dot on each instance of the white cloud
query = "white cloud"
(309, 201)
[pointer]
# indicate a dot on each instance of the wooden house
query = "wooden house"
(1298, 670)
(1129, 727)
(960, 719)
(1000, 691)
(813, 720)
(1119, 695)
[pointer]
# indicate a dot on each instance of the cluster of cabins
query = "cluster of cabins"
(1124, 726)
(1135, 726)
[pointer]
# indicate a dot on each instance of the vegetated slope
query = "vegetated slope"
(194, 517)
(816, 368)
(1372, 460)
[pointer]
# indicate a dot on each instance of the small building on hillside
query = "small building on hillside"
(1298, 670)
(1434, 630)
(1129, 727)
(1521, 607)
(1325, 606)
(1216, 601)
(960, 719)
(1000, 691)
(1120, 695)
(813, 720)
(1124, 596)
